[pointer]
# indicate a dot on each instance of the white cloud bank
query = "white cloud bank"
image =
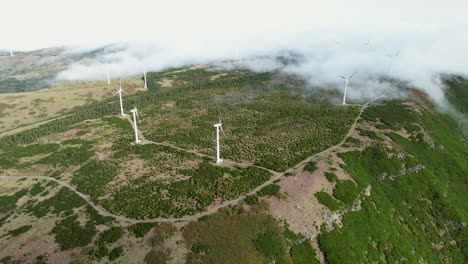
(332, 35)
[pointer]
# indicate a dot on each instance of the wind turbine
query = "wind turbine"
(218, 127)
(108, 77)
(368, 44)
(119, 92)
(144, 75)
(346, 86)
(392, 60)
(11, 53)
(238, 56)
(135, 115)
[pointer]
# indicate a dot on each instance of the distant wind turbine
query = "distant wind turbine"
(392, 61)
(119, 92)
(346, 86)
(238, 57)
(368, 44)
(108, 77)
(11, 53)
(144, 75)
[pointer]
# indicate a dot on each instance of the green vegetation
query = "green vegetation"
(416, 217)
(269, 190)
(141, 229)
(346, 191)
(272, 246)
(64, 200)
(8, 204)
(310, 167)
(92, 177)
(20, 230)
(70, 234)
(369, 134)
(156, 257)
(233, 237)
(411, 128)
(36, 189)
(456, 92)
(251, 199)
(331, 177)
(393, 114)
(327, 200)
(110, 236)
(205, 184)
(11, 156)
(303, 253)
(115, 253)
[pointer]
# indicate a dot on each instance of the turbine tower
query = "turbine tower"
(346, 86)
(11, 53)
(238, 57)
(144, 75)
(135, 115)
(108, 77)
(392, 60)
(218, 127)
(119, 92)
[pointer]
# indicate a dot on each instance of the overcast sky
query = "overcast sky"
(33, 24)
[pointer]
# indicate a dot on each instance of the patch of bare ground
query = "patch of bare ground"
(31, 108)
(135, 249)
(178, 248)
(11, 186)
(103, 151)
(166, 82)
(423, 99)
(413, 107)
(67, 174)
(214, 77)
(33, 170)
(132, 169)
(36, 241)
(301, 209)
(168, 105)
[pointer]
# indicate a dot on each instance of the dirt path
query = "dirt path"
(211, 210)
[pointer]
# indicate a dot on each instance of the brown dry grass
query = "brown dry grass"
(22, 109)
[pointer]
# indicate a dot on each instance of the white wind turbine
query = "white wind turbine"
(144, 75)
(238, 56)
(119, 92)
(218, 127)
(11, 53)
(135, 116)
(108, 77)
(392, 61)
(346, 86)
(368, 44)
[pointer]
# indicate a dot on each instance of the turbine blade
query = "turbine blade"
(342, 77)
(352, 75)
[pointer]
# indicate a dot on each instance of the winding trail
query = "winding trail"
(212, 209)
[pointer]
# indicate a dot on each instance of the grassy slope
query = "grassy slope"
(237, 237)
(456, 92)
(406, 218)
